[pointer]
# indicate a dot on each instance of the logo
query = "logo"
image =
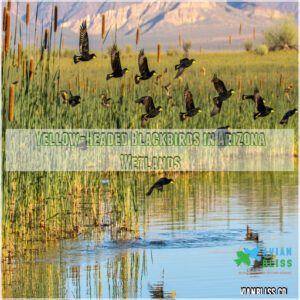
(264, 257)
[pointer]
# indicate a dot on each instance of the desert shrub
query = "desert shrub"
(282, 36)
(262, 49)
(248, 45)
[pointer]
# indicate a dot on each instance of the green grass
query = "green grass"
(41, 107)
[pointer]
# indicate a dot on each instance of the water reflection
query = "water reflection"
(189, 233)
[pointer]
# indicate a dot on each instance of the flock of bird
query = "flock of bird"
(151, 110)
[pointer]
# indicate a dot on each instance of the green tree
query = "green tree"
(282, 36)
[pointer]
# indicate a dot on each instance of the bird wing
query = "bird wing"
(115, 59)
(179, 72)
(217, 107)
(188, 97)
(183, 60)
(260, 106)
(83, 39)
(285, 118)
(149, 104)
(248, 97)
(219, 86)
(143, 63)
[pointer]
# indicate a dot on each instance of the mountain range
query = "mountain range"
(207, 24)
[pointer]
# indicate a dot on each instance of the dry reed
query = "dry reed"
(27, 13)
(19, 53)
(103, 27)
(254, 33)
(137, 37)
(158, 53)
(7, 34)
(4, 18)
(31, 67)
(11, 102)
(55, 18)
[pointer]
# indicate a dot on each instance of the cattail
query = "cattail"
(158, 53)
(24, 68)
(55, 18)
(280, 79)
(11, 102)
(137, 37)
(27, 14)
(180, 40)
(4, 18)
(46, 39)
(239, 84)
(103, 27)
(19, 53)
(203, 70)
(7, 34)
(229, 40)
(8, 5)
(254, 33)
(31, 66)
(240, 29)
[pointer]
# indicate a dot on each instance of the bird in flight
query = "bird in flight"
(191, 110)
(116, 64)
(83, 46)
(159, 185)
(183, 64)
(144, 69)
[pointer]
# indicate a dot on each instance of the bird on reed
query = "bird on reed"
(83, 46)
(191, 110)
(151, 110)
(72, 100)
(287, 115)
(159, 185)
(183, 64)
(224, 94)
(116, 64)
(144, 69)
(105, 101)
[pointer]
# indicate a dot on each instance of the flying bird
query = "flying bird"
(72, 100)
(252, 97)
(287, 115)
(83, 46)
(144, 69)
(191, 110)
(262, 110)
(183, 64)
(159, 185)
(223, 95)
(151, 110)
(116, 64)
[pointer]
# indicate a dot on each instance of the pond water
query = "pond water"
(186, 247)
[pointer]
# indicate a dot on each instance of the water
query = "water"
(186, 247)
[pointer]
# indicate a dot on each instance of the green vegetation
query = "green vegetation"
(283, 35)
(248, 45)
(262, 50)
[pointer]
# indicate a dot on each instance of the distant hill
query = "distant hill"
(206, 24)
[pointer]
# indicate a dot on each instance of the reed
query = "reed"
(229, 40)
(254, 33)
(46, 39)
(137, 36)
(31, 67)
(158, 52)
(240, 29)
(7, 34)
(27, 13)
(103, 27)
(11, 102)
(8, 5)
(179, 40)
(55, 18)
(19, 54)
(4, 18)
